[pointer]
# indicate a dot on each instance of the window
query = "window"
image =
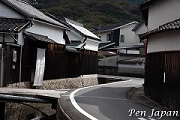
(108, 37)
(122, 38)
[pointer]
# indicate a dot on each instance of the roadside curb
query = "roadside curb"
(137, 94)
(61, 114)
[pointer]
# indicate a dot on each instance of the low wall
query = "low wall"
(107, 70)
(110, 70)
(23, 112)
(67, 83)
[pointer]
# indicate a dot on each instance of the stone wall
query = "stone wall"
(68, 83)
(23, 111)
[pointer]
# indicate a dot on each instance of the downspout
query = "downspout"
(20, 65)
(83, 55)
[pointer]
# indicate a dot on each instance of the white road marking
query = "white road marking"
(74, 103)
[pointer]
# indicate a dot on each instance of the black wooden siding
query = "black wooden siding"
(11, 69)
(67, 64)
(164, 90)
(60, 63)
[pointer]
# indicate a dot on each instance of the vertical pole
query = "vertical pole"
(20, 65)
(2, 67)
(2, 61)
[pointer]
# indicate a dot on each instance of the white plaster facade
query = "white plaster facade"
(53, 32)
(141, 29)
(130, 37)
(103, 35)
(166, 41)
(91, 44)
(162, 12)
(78, 33)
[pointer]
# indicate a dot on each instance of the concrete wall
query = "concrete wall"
(123, 71)
(162, 12)
(166, 41)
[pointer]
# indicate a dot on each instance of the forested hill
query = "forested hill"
(93, 13)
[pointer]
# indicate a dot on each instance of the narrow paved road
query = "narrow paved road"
(106, 102)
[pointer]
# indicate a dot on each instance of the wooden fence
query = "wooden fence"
(67, 64)
(162, 78)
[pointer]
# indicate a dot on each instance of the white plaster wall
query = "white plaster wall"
(7, 12)
(91, 45)
(166, 41)
(162, 12)
(142, 29)
(129, 35)
(103, 36)
(73, 36)
(20, 38)
(53, 32)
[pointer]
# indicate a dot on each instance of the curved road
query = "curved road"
(106, 102)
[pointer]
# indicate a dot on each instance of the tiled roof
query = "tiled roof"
(39, 37)
(107, 27)
(29, 11)
(112, 27)
(82, 30)
(174, 25)
(12, 25)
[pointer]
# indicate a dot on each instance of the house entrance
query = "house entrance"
(10, 64)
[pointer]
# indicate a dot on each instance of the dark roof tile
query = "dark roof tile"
(29, 11)
(39, 37)
(12, 25)
(174, 25)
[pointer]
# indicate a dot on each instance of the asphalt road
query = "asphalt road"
(107, 102)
